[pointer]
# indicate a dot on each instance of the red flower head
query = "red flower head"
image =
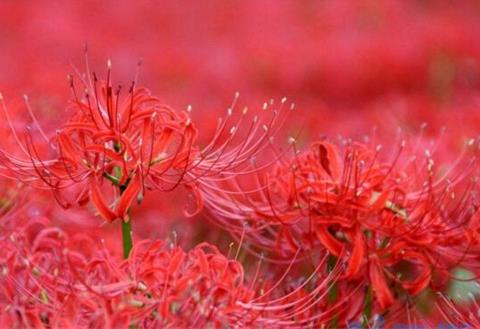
(131, 139)
(394, 225)
(135, 142)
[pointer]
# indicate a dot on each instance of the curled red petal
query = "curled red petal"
(100, 203)
(328, 157)
(418, 284)
(357, 256)
(128, 196)
(328, 241)
(379, 285)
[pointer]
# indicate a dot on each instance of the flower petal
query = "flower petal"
(100, 203)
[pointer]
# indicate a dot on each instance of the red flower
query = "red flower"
(131, 140)
(136, 143)
(391, 225)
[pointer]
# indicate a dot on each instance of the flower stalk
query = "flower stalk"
(127, 237)
(127, 241)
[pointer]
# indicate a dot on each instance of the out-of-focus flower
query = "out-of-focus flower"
(51, 278)
(48, 279)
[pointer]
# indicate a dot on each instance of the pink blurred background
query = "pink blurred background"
(324, 55)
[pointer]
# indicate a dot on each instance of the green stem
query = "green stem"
(127, 237)
(333, 291)
(126, 226)
(367, 310)
(126, 229)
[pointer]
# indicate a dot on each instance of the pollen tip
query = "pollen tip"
(284, 99)
(25, 97)
(189, 108)
(291, 140)
(265, 106)
(292, 107)
(245, 110)
(109, 63)
(229, 111)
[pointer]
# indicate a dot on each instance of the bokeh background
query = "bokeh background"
(353, 68)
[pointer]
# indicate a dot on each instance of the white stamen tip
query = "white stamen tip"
(284, 99)
(109, 63)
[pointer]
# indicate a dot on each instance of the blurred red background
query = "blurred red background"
(350, 66)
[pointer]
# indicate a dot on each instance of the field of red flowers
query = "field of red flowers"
(250, 164)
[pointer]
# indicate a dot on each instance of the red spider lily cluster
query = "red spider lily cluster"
(357, 206)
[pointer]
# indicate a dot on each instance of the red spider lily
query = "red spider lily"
(52, 279)
(135, 142)
(127, 139)
(393, 225)
(48, 280)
